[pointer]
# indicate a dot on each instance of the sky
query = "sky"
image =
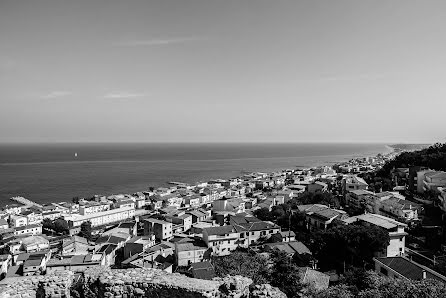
(223, 71)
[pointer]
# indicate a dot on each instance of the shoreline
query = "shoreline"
(346, 158)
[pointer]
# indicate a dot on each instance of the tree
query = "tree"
(263, 214)
(245, 263)
(285, 275)
(76, 200)
(47, 224)
(86, 230)
(351, 244)
(373, 285)
(61, 226)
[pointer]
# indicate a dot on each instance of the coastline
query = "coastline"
(182, 171)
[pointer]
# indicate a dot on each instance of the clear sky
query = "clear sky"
(204, 70)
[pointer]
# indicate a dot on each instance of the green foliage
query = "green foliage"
(245, 263)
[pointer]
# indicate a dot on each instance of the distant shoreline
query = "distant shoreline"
(53, 174)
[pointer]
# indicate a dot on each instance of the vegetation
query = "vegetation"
(86, 230)
(433, 157)
(279, 270)
(368, 284)
(245, 263)
(59, 225)
(353, 245)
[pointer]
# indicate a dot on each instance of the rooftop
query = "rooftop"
(410, 269)
(379, 220)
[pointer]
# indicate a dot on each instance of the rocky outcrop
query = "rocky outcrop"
(125, 283)
(55, 285)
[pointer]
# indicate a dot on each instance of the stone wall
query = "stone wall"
(126, 283)
(55, 285)
(104, 282)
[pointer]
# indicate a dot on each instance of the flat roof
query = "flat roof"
(78, 217)
(379, 220)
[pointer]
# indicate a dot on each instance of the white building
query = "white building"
(395, 229)
(101, 218)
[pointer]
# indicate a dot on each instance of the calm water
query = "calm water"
(51, 172)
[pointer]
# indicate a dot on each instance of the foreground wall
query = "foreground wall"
(126, 283)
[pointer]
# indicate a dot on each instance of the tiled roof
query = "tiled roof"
(379, 220)
(222, 230)
(255, 226)
(410, 269)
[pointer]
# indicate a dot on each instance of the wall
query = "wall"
(105, 282)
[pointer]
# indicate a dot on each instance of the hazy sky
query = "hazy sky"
(204, 70)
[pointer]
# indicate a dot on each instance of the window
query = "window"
(401, 239)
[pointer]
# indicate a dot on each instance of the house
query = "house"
(33, 266)
(76, 263)
(180, 223)
(193, 201)
(13, 208)
(35, 263)
(5, 262)
(222, 239)
(52, 215)
(188, 251)
(160, 228)
(3, 224)
(138, 244)
(317, 187)
(433, 180)
(124, 203)
(284, 236)
(101, 218)
(401, 210)
(117, 239)
(75, 245)
(33, 216)
(323, 218)
(172, 200)
(360, 199)
(197, 215)
(202, 270)
(351, 182)
(35, 243)
(18, 220)
(35, 229)
(159, 256)
(92, 207)
(291, 248)
(395, 229)
(402, 267)
(253, 232)
(229, 205)
(109, 252)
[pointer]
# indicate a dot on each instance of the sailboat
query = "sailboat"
(75, 154)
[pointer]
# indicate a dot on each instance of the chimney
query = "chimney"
(424, 274)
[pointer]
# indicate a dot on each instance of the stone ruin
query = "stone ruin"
(126, 283)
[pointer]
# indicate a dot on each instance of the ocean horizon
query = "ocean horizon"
(55, 172)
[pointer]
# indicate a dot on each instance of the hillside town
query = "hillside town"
(187, 228)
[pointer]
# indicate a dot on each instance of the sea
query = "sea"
(57, 172)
